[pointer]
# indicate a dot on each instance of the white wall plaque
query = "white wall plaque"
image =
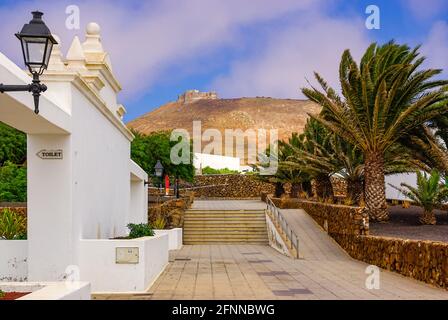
(125, 255)
(50, 154)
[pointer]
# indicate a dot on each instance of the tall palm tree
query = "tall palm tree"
(384, 98)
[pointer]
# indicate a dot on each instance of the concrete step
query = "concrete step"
(216, 242)
(225, 226)
(224, 232)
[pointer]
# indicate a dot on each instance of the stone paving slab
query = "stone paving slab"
(232, 272)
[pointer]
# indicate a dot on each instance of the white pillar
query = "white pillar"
(50, 225)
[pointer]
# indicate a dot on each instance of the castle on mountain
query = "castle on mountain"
(194, 95)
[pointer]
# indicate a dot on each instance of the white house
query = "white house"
(93, 190)
(202, 160)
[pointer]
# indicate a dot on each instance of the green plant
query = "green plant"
(12, 225)
(12, 145)
(12, 183)
(140, 230)
(208, 170)
(147, 149)
(385, 97)
(429, 194)
(159, 223)
(2, 294)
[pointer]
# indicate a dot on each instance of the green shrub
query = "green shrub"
(140, 230)
(208, 170)
(12, 183)
(2, 294)
(12, 225)
(12, 145)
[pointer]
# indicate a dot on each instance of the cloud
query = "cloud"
(435, 48)
(313, 44)
(146, 37)
(424, 9)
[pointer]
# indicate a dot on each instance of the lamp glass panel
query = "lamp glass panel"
(34, 51)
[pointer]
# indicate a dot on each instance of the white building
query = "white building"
(87, 196)
(202, 160)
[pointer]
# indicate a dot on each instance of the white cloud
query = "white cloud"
(313, 44)
(435, 48)
(424, 9)
(144, 37)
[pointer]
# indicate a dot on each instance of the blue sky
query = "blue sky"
(238, 48)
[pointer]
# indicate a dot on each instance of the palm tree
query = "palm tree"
(384, 98)
(429, 194)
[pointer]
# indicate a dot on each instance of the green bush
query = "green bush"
(2, 294)
(12, 225)
(12, 145)
(140, 230)
(12, 183)
(208, 170)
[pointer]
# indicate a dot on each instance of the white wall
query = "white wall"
(101, 175)
(98, 264)
(202, 160)
(175, 237)
(138, 212)
(71, 290)
(13, 262)
(50, 219)
(396, 180)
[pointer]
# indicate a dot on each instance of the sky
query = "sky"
(238, 48)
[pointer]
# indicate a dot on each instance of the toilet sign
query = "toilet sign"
(50, 154)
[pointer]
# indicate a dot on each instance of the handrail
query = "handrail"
(281, 222)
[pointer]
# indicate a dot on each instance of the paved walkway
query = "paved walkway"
(260, 272)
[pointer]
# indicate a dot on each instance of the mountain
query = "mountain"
(286, 115)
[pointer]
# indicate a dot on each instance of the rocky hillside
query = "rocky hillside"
(286, 115)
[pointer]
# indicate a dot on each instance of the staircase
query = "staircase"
(225, 227)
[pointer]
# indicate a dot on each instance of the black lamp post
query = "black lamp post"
(158, 171)
(37, 43)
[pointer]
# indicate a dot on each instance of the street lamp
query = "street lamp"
(158, 171)
(37, 43)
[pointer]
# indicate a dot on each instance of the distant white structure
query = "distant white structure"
(202, 160)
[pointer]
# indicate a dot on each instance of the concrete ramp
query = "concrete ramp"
(314, 243)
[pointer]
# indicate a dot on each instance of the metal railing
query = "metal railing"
(281, 222)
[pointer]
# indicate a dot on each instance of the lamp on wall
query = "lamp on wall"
(37, 43)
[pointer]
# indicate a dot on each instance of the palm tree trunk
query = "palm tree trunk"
(375, 188)
(279, 189)
(324, 188)
(355, 190)
(307, 187)
(296, 187)
(428, 217)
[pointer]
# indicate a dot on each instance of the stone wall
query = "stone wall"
(422, 260)
(230, 186)
(172, 210)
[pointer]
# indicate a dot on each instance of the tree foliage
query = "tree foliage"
(12, 183)
(384, 98)
(147, 149)
(12, 145)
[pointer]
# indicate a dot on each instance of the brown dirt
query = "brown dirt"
(404, 224)
(14, 295)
